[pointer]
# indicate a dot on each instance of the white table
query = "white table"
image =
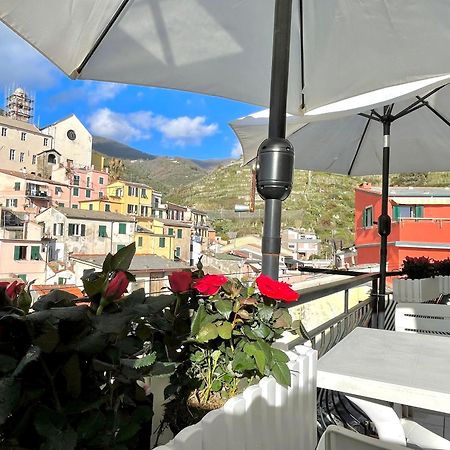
(405, 368)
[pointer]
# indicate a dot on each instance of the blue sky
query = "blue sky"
(157, 121)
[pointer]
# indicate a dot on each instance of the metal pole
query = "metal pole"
(276, 165)
(384, 221)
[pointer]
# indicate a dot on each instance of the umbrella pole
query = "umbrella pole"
(275, 160)
(384, 222)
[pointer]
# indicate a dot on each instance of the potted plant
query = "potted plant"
(419, 283)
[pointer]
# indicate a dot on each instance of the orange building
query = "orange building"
(420, 223)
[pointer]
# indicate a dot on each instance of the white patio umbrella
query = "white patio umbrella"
(338, 49)
(353, 145)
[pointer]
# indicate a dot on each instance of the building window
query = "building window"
(122, 228)
(23, 136)
(88, 193)
(21, 156)
(76, 180)
(17, 186)
(107, 207)
(162, 242)
(170, 232)
(132, 209)
(140, 241)
(133, 191)
(33, 159)
(62, 280)
(100, 194)
(91, 207)
(88, 181)
(119, 192)
(58, 190)
(74, 206)
(368, 217)
(144, 193)
(101, 180)
(11, 202)
(177, 252)
(77, 229)
(45, 142)
(407, 211)
(58, 229)
(3, 131)
(144, 211)
(35, 252)
(76, 191)
(23, 277)
(102, 231)
(12, 154)
(180, 233)
(60, 205)
(20, 252)
(51, 159)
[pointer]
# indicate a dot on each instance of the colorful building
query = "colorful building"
(151, 239)
(101, 204)
(420, 223)
(135, 198)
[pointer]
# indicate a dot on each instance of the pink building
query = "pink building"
(23, 192)
(86, 183)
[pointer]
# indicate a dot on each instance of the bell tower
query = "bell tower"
(19, 105)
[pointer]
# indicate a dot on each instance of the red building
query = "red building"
(420, 223)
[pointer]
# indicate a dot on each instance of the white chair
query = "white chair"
(338, 438)
(426, 318)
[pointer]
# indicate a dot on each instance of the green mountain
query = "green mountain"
(322, 202)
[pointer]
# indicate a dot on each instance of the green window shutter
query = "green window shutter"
(16, 253)
(179, 233)
(17, 186)
(83, 230)
(107, 207)
(75, 191)
(140, 241)
(130, 193)
(122, 228)
(162, 242)
(23, 277)
(61, 280)
(395, 212)
(91, 207)
(419, 211)
(35, 252)
(71, 229)
(170, 232)
(102, 230)
(88, 193)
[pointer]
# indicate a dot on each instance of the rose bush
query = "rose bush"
(276, 290)
(210, 284)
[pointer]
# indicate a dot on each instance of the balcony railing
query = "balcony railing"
(36, 194)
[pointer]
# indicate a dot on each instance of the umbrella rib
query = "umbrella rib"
(444, 119)
(360, 143)
(412, 108)
(99, 40)
(370, 116)
(302, 57)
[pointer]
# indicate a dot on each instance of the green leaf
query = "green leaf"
(225, 330)
(216, 385)
(9, 397)
(207, 333)
(243, 362)
(107, 263)
(259, 356)
(90, 424)
(249, 333)
(163, 368)
(7, 363)
(282, 318)
(72, 374)
(146, 361)
(158, 303)
(262, 331)
(266, 348)
(265, 312)
(224, 306)
(49, 337)
(94, 283)
(199, 316)
(281, 373)
(279, 355)
(56, 298)
(32, 355)
(122, 259)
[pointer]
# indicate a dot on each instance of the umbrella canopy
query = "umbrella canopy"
(354, 146)
(420, 140)
(224, 48)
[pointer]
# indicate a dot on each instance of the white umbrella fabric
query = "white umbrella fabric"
(362, 144)
(325, 58)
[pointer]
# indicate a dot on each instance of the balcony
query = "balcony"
(34, 193)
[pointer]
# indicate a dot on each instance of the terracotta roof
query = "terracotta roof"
(44, 289)
(30, 177)
(20, 124)
(175, 223)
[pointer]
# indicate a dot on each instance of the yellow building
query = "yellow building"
(101, 204)
(134, 198)
(98, 160)
(150, 238)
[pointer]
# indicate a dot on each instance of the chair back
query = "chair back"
(425, 318)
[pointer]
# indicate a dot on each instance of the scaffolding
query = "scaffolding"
(19, 105)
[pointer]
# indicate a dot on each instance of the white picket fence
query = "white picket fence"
(411, 291)
(265, 416)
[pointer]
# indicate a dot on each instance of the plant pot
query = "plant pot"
(415, 291)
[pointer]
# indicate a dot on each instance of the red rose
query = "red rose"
(276, 290)
(117, 286)
(180, 281)
(210, 284)
(13, 289)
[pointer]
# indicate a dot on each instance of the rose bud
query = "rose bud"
(115, 288)
(180, 281)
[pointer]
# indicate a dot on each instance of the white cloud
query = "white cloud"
(122, 127)
(185, 130)
(99, 92)
(22, 65)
